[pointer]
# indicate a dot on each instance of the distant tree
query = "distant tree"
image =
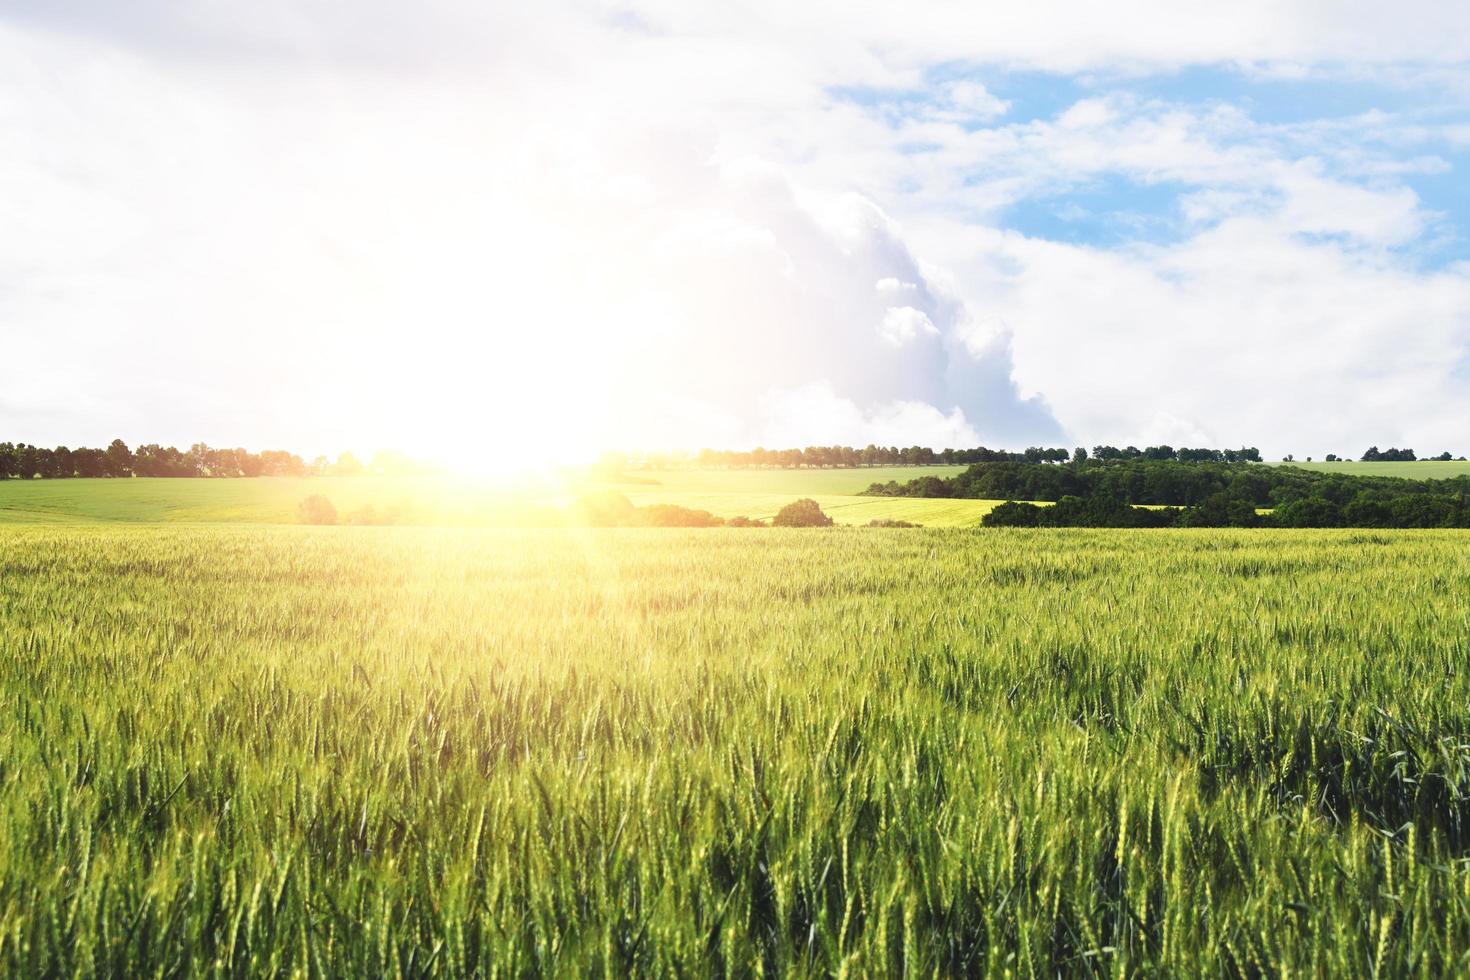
(1391, 455)
(743, 521)
(1330, 458)
(672, 515)
(1013, 514)
(272, 462)
(1079, 455)
(1308, 512)
(200, 460)
(317, 509)
(60, 464)
(1368, 509)
(801, 513)
(1220, 510)
(119, 459)
(347, 465)
(604, 510)
(26, 461)
(90, 462)
(390, 462)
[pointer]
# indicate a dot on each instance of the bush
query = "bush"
(1012, 514)
(802, 513)
(317, 509)
(672, 515)
(890, 522)
(1308, 512)
(743, 521)
(604, 510)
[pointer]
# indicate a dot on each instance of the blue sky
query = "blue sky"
(1111, 208)
(660, 224)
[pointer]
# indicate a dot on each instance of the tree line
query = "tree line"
(849, 457)
(1156, 482)
(23, 461)
(1161, 493)
(1369, 509)
(1376, 455)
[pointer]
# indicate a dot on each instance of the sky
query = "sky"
(524, 231)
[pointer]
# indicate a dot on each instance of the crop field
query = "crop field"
(350, 751)
(800, 482)
(844, 509)
(760, 493)
(1416, 470)
(460, 502)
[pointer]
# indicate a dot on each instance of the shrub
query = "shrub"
(802, 513)
(1012, 513)
(743, 521)
(890, 522)
(604, 510)
(317, 509)
(672, 515)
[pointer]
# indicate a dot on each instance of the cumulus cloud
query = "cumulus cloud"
(816, 415)
(688, 223)
(903, 324)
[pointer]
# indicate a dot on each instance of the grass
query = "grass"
(263, 500)
(445, 501)
(842, 509)
(1418, 470)
(801, 483)
(294, 751)
(760, 493)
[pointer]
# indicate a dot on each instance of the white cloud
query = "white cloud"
(970, 102)
(902, 325)
(646, 220)
(891, 285)
(1243, 334)
(816, 415)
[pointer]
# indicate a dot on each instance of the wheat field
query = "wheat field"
(290, 751)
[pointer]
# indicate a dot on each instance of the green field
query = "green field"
(264, 500)
(457, 502)
(760, 493)
(1418, 470)
(291, 751)
(833, 482)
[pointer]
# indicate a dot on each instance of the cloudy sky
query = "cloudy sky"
(661, 223)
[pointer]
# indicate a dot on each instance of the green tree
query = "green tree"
(317, 509)
(119, 459)
(802, 513)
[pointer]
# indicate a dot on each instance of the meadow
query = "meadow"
(348, 751)
(449, 501)
(445, 501)
(1422, 469)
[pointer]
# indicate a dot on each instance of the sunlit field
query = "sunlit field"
(460, 502)
(275, 751)
(1423, 469)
